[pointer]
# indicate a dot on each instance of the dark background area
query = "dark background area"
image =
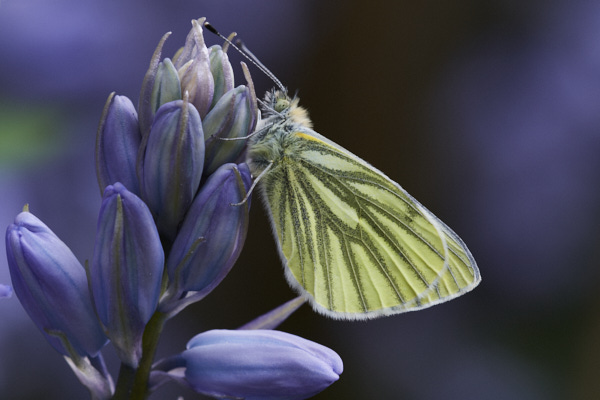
(487, 112)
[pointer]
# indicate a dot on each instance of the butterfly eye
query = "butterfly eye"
(282, 104)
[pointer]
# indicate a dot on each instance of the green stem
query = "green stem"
(123, 389)
(133, 384)
(149, 344)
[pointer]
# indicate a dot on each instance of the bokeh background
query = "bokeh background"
(487, 112)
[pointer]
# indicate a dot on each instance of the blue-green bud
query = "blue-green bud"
(147, 106)
(117, 144)
(213, 232)
(52, 287)
(171, 164)
(166, 85)
(221, 71)
(126, 270)
(234, 116)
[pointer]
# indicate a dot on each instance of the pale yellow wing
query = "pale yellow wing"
(356, 243)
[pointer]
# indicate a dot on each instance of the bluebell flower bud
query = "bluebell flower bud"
(147, 106)
(166, 85)
(52, 287)
(5, 291)
(234, 116)
(193, 66)
(222, 72)
(259, 365)
(171, 164)
(117, 144)
(213, 232)
(126, 270)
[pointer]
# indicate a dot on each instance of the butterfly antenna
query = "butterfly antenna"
(243, 50)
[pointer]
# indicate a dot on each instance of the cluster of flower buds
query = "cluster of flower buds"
(172, 223)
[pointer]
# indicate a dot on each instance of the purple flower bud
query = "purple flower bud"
(213, 232)
(117, 144)
(52, 287)
(234, 116)
(171, 164)
(193, 66)
(259, 364)
(126, 270)
(221, 71)
(5, 291)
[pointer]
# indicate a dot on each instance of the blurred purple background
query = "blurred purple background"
(488, 113)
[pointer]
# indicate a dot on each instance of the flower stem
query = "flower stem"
(124, 382)
(149, 344)
(133, 384)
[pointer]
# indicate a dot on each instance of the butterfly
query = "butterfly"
(352, 241)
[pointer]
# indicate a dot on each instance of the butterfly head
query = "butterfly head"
(282, 102)
(278, 104)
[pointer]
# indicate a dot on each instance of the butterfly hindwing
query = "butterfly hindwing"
(354, 240)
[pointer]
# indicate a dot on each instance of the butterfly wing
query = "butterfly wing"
(354, 241)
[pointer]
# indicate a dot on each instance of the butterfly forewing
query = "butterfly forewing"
(354, 240)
